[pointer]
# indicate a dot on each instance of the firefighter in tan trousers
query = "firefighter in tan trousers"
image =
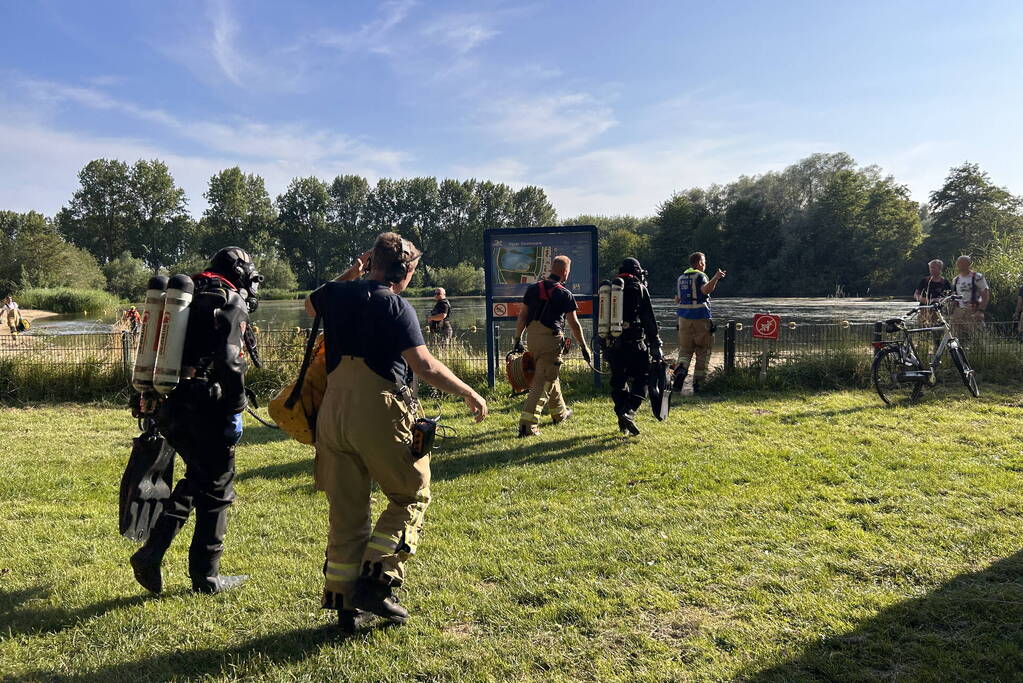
(548, 305)
(695, 325)
(373, 343)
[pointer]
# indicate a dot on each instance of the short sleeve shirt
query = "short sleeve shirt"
(693, 304)
(969, 288)
(442, 306)
(12, 306)
(367, 320)
(550, 312)
(933, 287)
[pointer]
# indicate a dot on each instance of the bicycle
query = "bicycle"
(899, 375)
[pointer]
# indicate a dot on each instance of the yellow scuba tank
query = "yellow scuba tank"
(604, 309)
(173, 325)
(617, 306)
(149, 337)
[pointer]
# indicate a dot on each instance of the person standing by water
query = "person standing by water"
(364, 429)
(438, 321)
(9, 310)
(974, 294)
(695, 325)
(930, 289)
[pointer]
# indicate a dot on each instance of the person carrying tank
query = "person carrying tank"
(547, 306)
(695, 325)
(201, 419)
(629, 355)
(365, 429)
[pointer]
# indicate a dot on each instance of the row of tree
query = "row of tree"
(821, 226)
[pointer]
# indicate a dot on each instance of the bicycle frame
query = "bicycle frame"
(909, 350)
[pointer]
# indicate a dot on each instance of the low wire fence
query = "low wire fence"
(98, 366)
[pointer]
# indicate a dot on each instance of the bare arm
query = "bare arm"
(520, 322)
(712, 284)
(577, 330)
(985, 296)
(354, 272)
(436, 374)
(918, 296)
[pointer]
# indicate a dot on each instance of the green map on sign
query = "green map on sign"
(521, 265)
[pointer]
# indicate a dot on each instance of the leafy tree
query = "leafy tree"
(32, 254)
(303, 231)
(348, 215)
(969, 211)
(100, 214)
(240, 213)
(161, 225)
(460, 279)
(126, 277)
(276, 272)
(530, 207)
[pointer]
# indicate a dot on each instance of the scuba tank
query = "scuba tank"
(149, 337)
(604, 309)
(617, 306)
(173, 326)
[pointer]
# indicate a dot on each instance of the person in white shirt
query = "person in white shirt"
(975, 294)
(9, 310)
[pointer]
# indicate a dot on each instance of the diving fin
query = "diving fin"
(659, 389)
(145, 485)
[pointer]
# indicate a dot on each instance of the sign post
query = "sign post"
(766, 327)
(515, 258)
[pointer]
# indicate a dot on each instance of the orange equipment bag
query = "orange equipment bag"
(294, 408)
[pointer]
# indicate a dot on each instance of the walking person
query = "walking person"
(201, 419)
(974, 294)
(695, 324)
(629, 354)
(364, 429)
(548, 307)
(438, 320)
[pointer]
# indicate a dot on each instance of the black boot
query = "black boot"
(627, 423)
(217, 584)
(696, 385)
(147, 571)
(349, 620)
(376, 597)
(527, 429)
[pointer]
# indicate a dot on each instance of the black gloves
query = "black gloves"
(655, 354)
(518, 348)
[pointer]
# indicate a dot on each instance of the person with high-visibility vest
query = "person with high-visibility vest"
(695, 325)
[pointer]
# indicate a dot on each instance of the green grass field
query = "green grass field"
(760, 536)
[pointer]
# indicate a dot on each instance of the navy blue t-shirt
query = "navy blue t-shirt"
(365, 319)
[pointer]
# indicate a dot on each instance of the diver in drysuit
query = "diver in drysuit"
(201, 419)
(629, 354)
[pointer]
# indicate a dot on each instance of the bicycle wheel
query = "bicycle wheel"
(888, 364)
(965, 371)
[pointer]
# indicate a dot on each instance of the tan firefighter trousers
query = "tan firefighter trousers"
(363, 432)
(545, 391)
(694, 337)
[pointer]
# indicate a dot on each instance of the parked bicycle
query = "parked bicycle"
(899, 375)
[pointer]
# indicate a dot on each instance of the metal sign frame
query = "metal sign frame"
(497, 302)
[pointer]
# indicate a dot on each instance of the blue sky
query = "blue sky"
(610, 106)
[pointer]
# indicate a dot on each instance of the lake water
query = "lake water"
(468, 312)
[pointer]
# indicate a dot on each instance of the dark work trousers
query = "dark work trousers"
(630, 366)
(205, 438)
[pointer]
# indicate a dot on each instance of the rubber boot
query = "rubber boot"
(377, 598)
(627, 423)
(558, 419)
(210, 585)
(146, 561)
(527, 429)
(349, 620)
(696, 385)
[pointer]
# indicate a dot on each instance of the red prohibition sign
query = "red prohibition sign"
(766, 326)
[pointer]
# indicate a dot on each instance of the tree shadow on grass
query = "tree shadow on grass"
(278, 649)
(970, 628)
(18, 617)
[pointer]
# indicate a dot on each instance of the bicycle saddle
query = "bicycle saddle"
(894, 324)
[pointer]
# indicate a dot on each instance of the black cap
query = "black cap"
(631, 266)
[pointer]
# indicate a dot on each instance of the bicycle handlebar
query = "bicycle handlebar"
(937, 304)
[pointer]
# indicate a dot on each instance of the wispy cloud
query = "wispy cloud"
(565, 121)
(222, 43)
(376, 35)
(461, 33)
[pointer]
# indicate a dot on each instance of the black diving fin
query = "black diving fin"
(146, 484)
(659, 389)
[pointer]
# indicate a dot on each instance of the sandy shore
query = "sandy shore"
(29, 314)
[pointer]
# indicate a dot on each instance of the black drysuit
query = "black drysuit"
(629, 354)
(201, 420)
